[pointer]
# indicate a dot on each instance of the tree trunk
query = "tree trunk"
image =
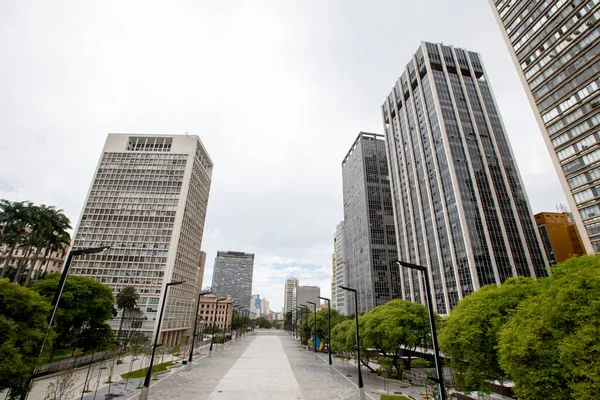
(32, 265)
(121, 324)
(45, 262)
(20, 267)
(8, 258)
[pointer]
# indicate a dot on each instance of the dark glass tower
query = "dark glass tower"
(555, 45)
(369, 243)
(459, 202)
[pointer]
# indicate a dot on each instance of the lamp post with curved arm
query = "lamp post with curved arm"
(146, 387)
(361, 389)
(315, 318)
(188, 367)
(328, 332)
(212, 339)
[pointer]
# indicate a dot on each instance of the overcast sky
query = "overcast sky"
(276, 90)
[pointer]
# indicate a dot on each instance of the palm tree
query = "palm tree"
(49, 231)
(126, 300)
(15, 218)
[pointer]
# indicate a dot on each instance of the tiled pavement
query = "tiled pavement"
(263, 367)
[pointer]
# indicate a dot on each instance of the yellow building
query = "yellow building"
(560, 236)
(212, 313)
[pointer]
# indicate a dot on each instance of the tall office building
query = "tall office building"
(369, 232)
(148, 202)
(265, 308)
(555, 46)
(288, 298)
(460, 205)
(255, 306)
(340, 273)
(232, 276)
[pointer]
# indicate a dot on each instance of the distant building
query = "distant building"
(288, 297)
(554, 46)
(212, 313)
(369, 233)
(340, 273)
(232, 276)
(255, 306)
(53, 262)
(147, 201)
(264, 307)
(302, 294)
(559, 235)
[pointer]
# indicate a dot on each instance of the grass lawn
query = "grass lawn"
(386, 397)
(60, 354)
(140, 373)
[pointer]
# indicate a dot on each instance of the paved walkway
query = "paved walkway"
(258, 367)
(262, 372)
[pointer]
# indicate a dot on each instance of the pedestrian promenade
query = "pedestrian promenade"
(262, 372)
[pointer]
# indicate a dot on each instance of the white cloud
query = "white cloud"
(277, 91)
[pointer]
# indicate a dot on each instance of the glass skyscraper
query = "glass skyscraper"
(148, 202)
(460, 206)
(232, 276)
(555, 45)
(369, 242)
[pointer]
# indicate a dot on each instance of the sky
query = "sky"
(276, 90)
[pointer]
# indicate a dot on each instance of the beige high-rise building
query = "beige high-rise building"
(148, 203)
(288, 297)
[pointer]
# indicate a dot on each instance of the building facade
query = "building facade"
(255, 306)
(288, 297)
(232, 276)
(52, 262)
(265, 308)
(459, 201)
(220, 314)
(369, 233)
(302, 294)
(555, 46)
(559, 235)
(148, 202)
(340, 271)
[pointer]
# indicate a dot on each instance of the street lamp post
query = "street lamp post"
(436, 350)
(212, 336)
(57, 296)
(315, 317)
(146, 387)
(188, 367)
(225, 326)
(328, 332)
(361, 389)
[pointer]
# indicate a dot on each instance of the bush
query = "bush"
(419, 363)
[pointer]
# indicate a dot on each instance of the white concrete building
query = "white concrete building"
(148, 202)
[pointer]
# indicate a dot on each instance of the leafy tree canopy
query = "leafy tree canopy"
(84, 303)
(550, 347)
(469, 336)
(23, 324)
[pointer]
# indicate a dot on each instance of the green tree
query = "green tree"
(549, 347)
(287, 322)
(84, 303)
(49, 228)
(126, 301)
(15, 218)
(469, 336)
(262, 322)
(23, 325)
(394, 328)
